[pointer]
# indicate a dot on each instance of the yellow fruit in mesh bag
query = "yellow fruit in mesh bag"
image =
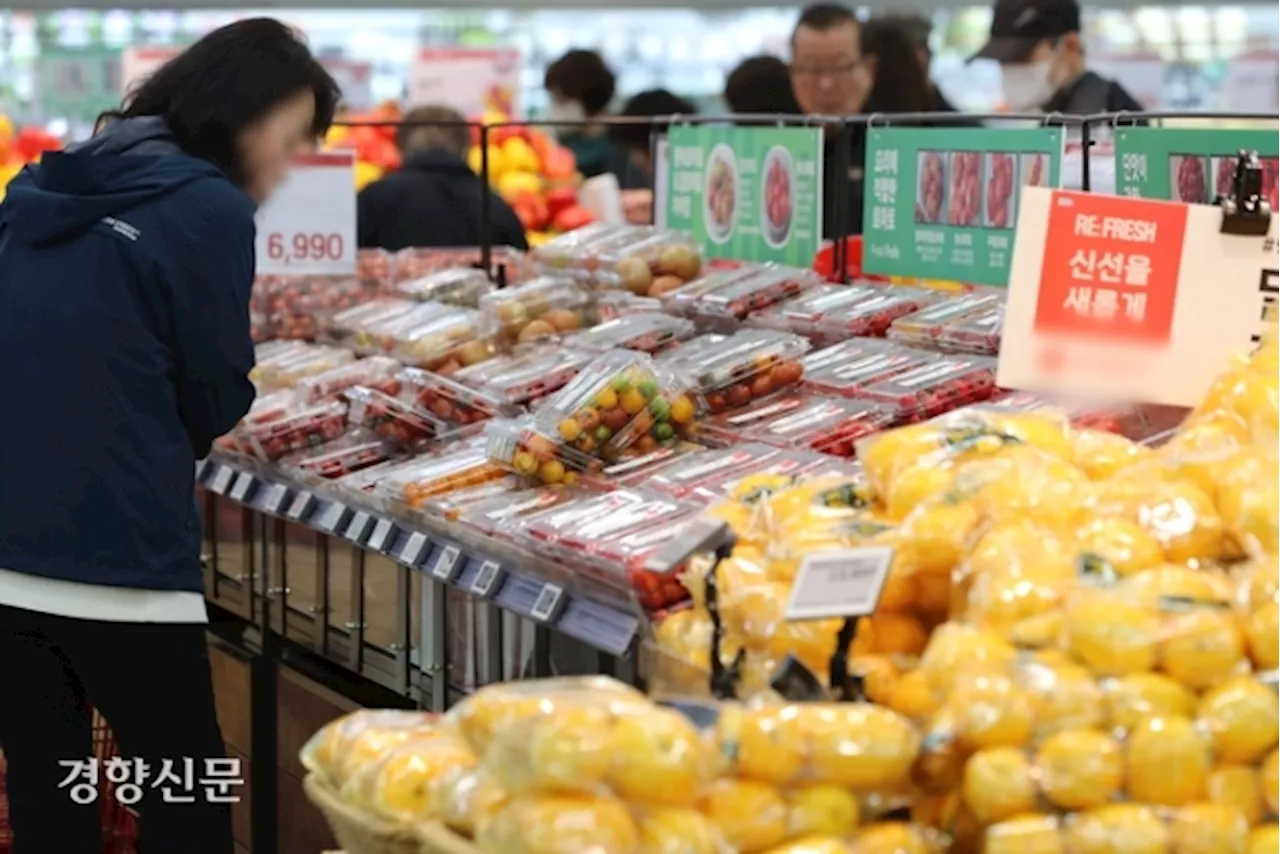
(1269, 780)
(1202, 646)
(1242, 716)
(1262, 632)
(1079, 768)
(1259, 582)
(468, 800)
(401, 786)
(1024, 483)
(860, 746)
(998, 784)
(1121, 543)
(1251, 513)
(1208, 432)
(1025, 834)
(357, 739)
(888, 452)
(915, 486)
(892, 837)
(1013, 605)
(899, 592)
(1209, 829)
(1100, 453)
(1020, 547)
(821, 810)
(560, 824)
(1183, 519)
(1169, 586)
(1117, 829)
(657, 757)
(813, 845)
(1253, 396)
(992, 711)
(494, 706)
(1108, 635)
(1064, 695)
(765, 743)
(1167, 761)
(1264, 839)
(911, 695)
(955, 647)
(1142, 695)
(897, 634)
(1237, 786)
(686, 636)
(932, 539)
(877, 673)
(565, 749)
(674, 830)
(751, 816)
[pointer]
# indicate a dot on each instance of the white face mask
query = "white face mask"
(1028, 86)
(565, 111)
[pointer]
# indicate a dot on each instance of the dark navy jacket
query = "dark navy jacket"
(125, 270)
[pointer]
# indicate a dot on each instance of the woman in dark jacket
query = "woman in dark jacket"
(125, 270)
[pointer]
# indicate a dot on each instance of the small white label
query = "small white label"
(544, 607)
(274, 497)
(378, 539)
(357, 526)
(843, 583)
(240, 489)
(483, 584)
(201, 466)
(445, 568)
(221, 480)
(301, 502)
(411, 553)
(331, 517)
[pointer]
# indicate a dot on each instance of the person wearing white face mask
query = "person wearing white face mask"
(581, 87)
(1042, 61)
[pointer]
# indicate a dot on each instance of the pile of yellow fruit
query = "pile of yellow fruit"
(590, 766)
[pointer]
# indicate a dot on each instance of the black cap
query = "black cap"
(1017, 26)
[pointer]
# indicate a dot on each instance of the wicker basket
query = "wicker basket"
(438, 839)
(357, 832)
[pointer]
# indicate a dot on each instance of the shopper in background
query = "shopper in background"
(900, 83)
(634, 140)
(125, 270)
(434, 198)
(761, 85)
(1042, 62)
(581, 87)
(916, 29)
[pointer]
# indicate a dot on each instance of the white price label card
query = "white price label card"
(471, 80)
(844, 583)
(547, 606)
(242, 487)
(357, 527)
(381, 531)
(331, 517)
(414, 546)
(446, 565)
(221, 480)
(309, 225)
(486, 579)
(273, 498)
(301, 505)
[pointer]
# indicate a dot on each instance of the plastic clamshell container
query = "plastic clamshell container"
(934, 388)
(590, 262)
(498, 516)
(683, 301)
(626, 555)
(978, 333)
(286, 368)
(559, 252)
(788, 462)
(611, 305)
(462, 286)
(923, 327)
(829, 425)
(414, 484)
(373, 269)
(452, 402)
(636, 265)
(648, 332)
(552, 525)
(556, 304)
(295, 306)
(843, 370)
(873, 315)
(518, 446)
(358, 449)
(446, 344)
(418, 261)
(525, 377)
(683, 475)
(451, 505)
(376, 372)
(393, 419)
(799, 313)
(295, 429)
(748, 365)
(649, 510)
(345, 327)
(725, 306)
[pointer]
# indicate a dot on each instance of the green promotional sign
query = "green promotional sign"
(1189, 165)
(78, 84)
(752, 194)
(942, 203)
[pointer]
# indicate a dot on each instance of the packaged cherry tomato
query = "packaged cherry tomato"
(723, 308)
(393, 419)
(614, 304)
(843, 370)
(274, 433)
(451, 505)
(648, 332)
(977, 333)
(787, 463)
(373, 269)
(498, 516)
(682, 476)
(923, 327)
(519, 446)
(823, 424)
(525, 377)
(573, 531)
(746, 366)
(629, 551)
(345, 327)
(559, 253)
(443, 342)
(799, 314)
(549, 526)
(418, 261)
(416, 483)
(588, 259)
(616, 400)
(940, 386)
(386, 334)
(376, 372)
(452, 402)
(872, 316)
(461, 286)
(652, 265)
(297, 305)
(683, 301)
(287, 368)
(358, 449)
(542, 308)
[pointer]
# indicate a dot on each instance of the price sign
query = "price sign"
(414, 546)
(302, 505)
(242, 488)
(446, 566)
(381, 533)
(309, 225)
(331, 517)
(843, 583)
(221, 480)
(486, 580)
(202, 468)
(358, 527)
(1113, 297)
(471, 80)
(274, 496)
(547, 607)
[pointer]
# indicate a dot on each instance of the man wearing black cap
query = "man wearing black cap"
(1037, 43)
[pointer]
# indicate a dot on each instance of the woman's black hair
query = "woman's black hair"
(901, 83)
(582, 76)
(761, 84)
(228, 80)
(653, 102)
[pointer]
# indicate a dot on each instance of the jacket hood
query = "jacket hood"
(128, 163)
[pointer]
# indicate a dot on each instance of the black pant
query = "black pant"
(151, 682)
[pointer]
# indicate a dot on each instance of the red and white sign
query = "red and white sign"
(1130, 299)
(1252, 83)
(472, 81)
(354, 78)
(139, 63)
(309, 224)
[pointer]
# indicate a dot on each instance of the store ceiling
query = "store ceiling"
(727, 5)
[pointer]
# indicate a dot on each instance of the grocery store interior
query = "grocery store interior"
(715, 428)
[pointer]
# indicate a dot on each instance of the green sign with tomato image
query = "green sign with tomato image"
(942, 203)
(751, 194)
(1190, 165)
